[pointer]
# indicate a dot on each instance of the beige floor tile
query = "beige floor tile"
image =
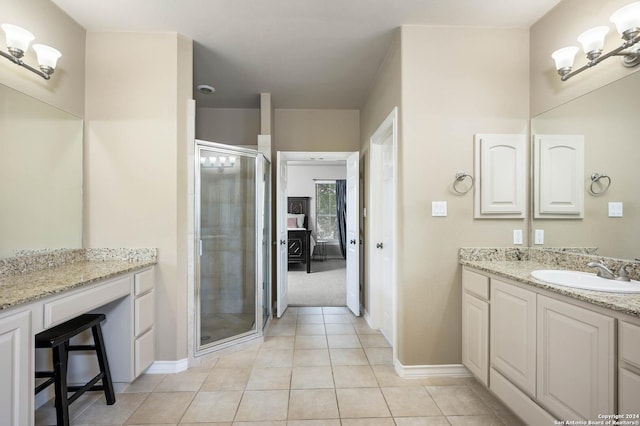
(484, 420)
(309, 310)
(240, 359)
(374, 341)
(274, 358)
(311, 342)
(281, 329)
(387, 377)
(348, 357)
(310, 319)
(354, 376)
(312, 378)
(211, 424)
(219, 406)
(226, 379)
(267, 423)
(278, 342)
(388, 421)
(410, 402)
(311, 357)
(379, 355)
(343, 341)
(340, 329)
(337, 319)
(422, 421)
(362, 402)
(269, 378)
(186, 381)
(447, 381)
(457, 400)
(511, 420)
(362, 327)
(335, 310)
(494, 404)
(310, 330)
(162, 407)
(263, 405)
(145, 383)
(46, 414)
(323, 422)
(313, 404)
(101, 413)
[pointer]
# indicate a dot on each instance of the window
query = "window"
(326, 215)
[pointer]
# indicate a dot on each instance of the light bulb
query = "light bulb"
(564, 58)
(593, 41)
(18, 39)
(47, 57)
(627, 20)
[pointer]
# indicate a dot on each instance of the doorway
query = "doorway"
(320, 180)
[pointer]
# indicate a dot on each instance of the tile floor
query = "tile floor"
(317, 366)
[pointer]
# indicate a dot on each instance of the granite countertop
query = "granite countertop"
(520, 271)
(30, 284)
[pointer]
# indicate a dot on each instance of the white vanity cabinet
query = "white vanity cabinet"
(16, 376)
(513, 334)
(475, 324)
(629, 368)
(576, 363)
(144, 314)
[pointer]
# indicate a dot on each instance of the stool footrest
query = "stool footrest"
(79, 390)
(44, 385)
(81, 348)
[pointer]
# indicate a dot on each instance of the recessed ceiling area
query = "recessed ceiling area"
(312, 54)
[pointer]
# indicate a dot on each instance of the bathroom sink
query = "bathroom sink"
(585, 281)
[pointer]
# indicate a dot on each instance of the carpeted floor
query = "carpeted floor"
(326, 285)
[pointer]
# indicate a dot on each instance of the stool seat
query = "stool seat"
(57, 339)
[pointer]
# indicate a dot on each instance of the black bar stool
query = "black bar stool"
(57, 339)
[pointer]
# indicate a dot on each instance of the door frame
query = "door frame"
(292, 156)
(374, 293)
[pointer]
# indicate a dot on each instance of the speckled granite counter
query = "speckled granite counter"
(30, 277)
(508, 266)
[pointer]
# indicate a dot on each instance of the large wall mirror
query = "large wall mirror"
(40, 175)
(608, 120)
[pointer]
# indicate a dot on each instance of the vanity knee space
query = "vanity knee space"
(546, 356)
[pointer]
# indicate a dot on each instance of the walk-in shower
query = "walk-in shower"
(233, 221)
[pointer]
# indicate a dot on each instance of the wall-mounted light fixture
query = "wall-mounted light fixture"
(221, 162)
(18, 40)
(627, 22)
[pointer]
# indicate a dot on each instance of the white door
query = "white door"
(382, 228)
(353, 238)
(281, 227)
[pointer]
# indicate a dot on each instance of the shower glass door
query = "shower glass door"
(232, 225)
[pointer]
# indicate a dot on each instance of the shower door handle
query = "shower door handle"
(200, 247)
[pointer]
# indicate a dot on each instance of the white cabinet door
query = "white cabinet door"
(558, 169)
(513, 334)
(501, 174)
(575, 361)
(475, 336)
(628, 392)
(16, 372)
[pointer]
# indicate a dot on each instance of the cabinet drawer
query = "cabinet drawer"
(629, 343)
(144, 314)
(73, 305)
(144, 281)
(475, 284)
(144, 352)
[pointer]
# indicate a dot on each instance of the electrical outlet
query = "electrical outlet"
(438, 208)
(517, 236)
(615, 209)
(538, 237)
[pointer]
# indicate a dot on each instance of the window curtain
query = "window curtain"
(341, 214)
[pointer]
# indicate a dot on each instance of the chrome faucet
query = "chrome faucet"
(604, 272)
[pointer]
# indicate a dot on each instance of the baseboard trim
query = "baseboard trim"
(168, 367)
(422, 371)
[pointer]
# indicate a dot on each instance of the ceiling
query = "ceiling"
(306, 53)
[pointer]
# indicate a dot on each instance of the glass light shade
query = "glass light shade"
(593, 39)
(627, 17)
(17, 37)
(47, 56)
(564, 57)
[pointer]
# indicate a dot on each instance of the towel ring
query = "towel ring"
(596, 178)
(461, 176)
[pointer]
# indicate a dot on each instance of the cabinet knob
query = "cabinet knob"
(282, 242)
(352, 241)
(379, 245)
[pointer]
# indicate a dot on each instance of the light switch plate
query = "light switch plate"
(438, 208)
(615, 209)
(517, 236)
(538, 237)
